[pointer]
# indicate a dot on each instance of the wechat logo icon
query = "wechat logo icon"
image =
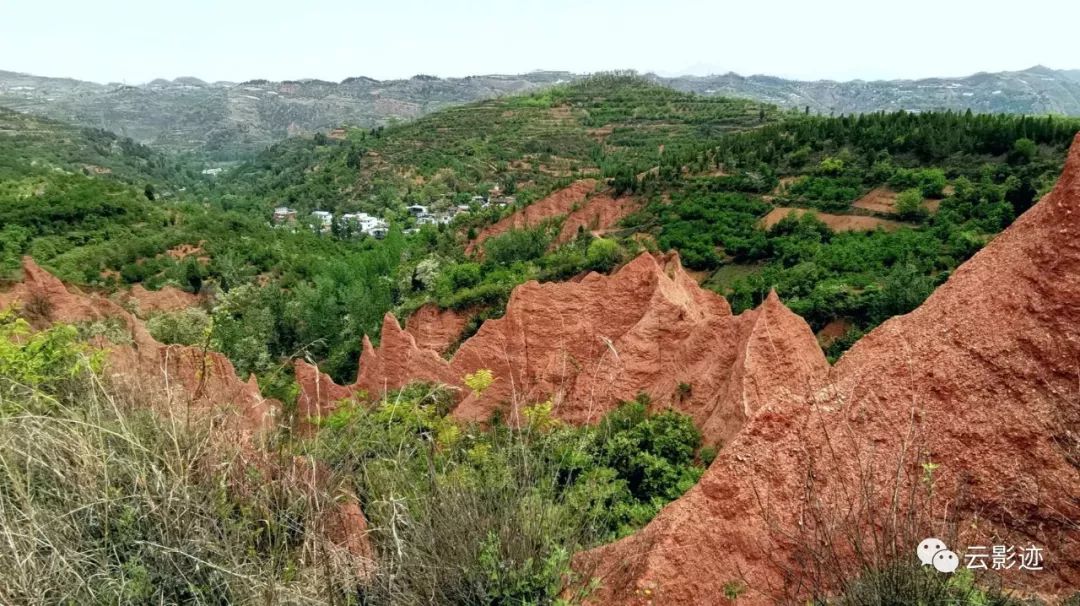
(933, 552)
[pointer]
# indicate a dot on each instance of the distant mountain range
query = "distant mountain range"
(1036, 90)
(228, 120)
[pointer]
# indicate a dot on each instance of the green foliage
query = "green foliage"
(1024, 151)
(603, 255)
(909, 205)
(827, 193)
(704, 225)
(190, 326)
(531, 496)
(47, 361)
(930, 182)
(518, 245)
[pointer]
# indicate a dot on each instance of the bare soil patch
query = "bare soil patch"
(835, 222)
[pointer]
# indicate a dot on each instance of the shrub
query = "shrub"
(48, 361)
(506, 506)
(603, 254)
(909, 205)
(190, 326)
(517, 245)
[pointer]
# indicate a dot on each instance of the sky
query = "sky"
(137, 41)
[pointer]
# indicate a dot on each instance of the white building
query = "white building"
(367, 224)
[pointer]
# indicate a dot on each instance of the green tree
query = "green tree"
(1023, 151)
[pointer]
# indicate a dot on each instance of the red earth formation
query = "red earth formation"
(591, 343)
(981, 381)
(184, 379)
(189, 376)
(582, 206)
(434, 328)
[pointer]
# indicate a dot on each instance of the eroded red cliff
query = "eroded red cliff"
(976, 392)
(397, 362)
(591, 343)
(434, 328)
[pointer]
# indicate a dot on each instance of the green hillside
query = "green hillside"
(525, 144)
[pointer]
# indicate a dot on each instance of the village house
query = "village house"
(417, 210)
(283, 215)
(367, 224)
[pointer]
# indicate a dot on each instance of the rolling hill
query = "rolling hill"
(526, 144)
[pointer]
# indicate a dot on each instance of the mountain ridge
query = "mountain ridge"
(228, 120)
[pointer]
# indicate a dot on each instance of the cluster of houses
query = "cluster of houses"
(363, 223)
(448, 211)
(357, 223)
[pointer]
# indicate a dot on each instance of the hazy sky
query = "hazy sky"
(136, 41)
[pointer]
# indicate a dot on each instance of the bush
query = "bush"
(909, 205)
(50, 361)
(506, 506)
(190, 326)
(517, 245)
(930, 181)
(603, 255)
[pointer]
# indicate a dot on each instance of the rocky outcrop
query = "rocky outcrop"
(975, 393)
(649, 328)
(591, 343)
(434, 328)
(188, 376)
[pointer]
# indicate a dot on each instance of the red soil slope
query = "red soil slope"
(435, 328)
(980, 380)
(591, 343)
(599, 213)
(579, 203)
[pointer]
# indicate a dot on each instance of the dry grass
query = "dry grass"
(104, 502)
